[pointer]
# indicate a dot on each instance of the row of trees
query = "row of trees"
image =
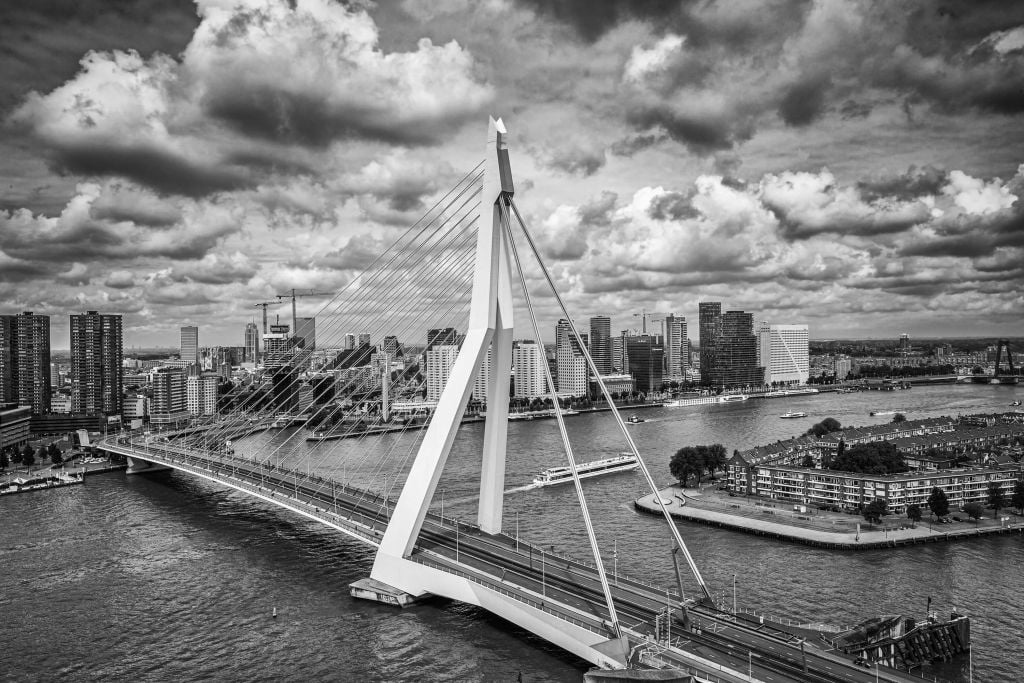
(938, 504)
(691, 461)
(28, 456)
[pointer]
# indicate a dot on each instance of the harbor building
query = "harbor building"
(189, 350)
(677, 347)
(440, 361)
(601, 343)
(201, 393)
(646, 357)
(441, 336)
(528, 365)
(709, 320)
(97, 349)
(252, 343)
(572, 374)
(25, 371)
(169, 404)
(782, 351)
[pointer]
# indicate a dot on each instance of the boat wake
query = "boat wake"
(518, 489)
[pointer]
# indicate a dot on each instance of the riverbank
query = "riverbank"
(55, 476)
(837, 531)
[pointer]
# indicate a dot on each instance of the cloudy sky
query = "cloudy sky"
(858, 166)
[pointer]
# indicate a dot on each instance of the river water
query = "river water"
(171, 578)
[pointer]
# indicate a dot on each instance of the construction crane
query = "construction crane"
(295, 293)
(264, 304)
(644, 316)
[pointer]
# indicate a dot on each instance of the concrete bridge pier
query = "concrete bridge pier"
(137, 465)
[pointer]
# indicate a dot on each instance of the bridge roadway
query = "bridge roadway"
(565, 587)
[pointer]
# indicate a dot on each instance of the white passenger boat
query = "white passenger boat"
(558, 475)
(732, 398)
(791, 414)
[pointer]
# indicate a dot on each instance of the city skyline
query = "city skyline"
(853, 165)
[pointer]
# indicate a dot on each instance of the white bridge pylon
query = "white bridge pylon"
(490, 326)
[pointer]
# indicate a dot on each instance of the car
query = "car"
(957, 519)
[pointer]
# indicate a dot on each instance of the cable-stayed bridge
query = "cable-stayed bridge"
(383, 421)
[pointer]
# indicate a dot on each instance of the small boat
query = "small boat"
(882, 412)
(1015, 403)
(636, 419)
(791, 415)
(732, 398)
(557, 475)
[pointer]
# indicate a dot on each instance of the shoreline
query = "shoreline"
(689, 505)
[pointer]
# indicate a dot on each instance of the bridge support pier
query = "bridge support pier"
(137, 465)
(372, 589)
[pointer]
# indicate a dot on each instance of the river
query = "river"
(171, 578)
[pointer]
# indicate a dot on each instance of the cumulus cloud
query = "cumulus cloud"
(83, 232)
(256, 78)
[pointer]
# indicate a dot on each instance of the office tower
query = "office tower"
(96, 356)
(618, 346)
(364, 339)
(646, 356)
(677, 346)
(440, 360)
(444, 336)
(25, 361)
(735, 352)
(528, 365)
(390, 346)
(201, 393)
(571, 364)
(169, 404)
(189, 344)
(482, 382)
(349, 342)
(601, 343)
(904, 345)
(252, 343)
(709, 319)
(782, 351)
(305, 333)
(276, 349)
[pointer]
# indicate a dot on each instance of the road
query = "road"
(565, 586)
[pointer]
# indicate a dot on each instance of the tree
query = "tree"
(686, 462)
(808, 461)
(874, 510)
(899, 418)
(714, 457)
(28, 458)
(996, 497)
(974, 510)
(1017, 500)
(938, 503)
(914, 513)
(877, 457)
(4, 459)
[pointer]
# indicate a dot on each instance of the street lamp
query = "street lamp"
(734, 593)
(615, 560)
(517, 531)
(543, 580)
(442, 509)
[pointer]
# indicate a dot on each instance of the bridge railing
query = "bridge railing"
(519, 596)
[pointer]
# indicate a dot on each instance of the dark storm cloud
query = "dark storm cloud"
(628, 146)
(307, 119)
(147, 165)
(574, 159)
(591, 19)
(703, 134)
(913, 183)
(360, 252)
(41, 41)
(804, 101)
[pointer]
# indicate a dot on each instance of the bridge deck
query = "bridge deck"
(566, 588)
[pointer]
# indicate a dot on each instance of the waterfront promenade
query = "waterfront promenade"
(779, 519)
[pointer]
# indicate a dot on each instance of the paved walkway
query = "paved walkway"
(833, 530)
